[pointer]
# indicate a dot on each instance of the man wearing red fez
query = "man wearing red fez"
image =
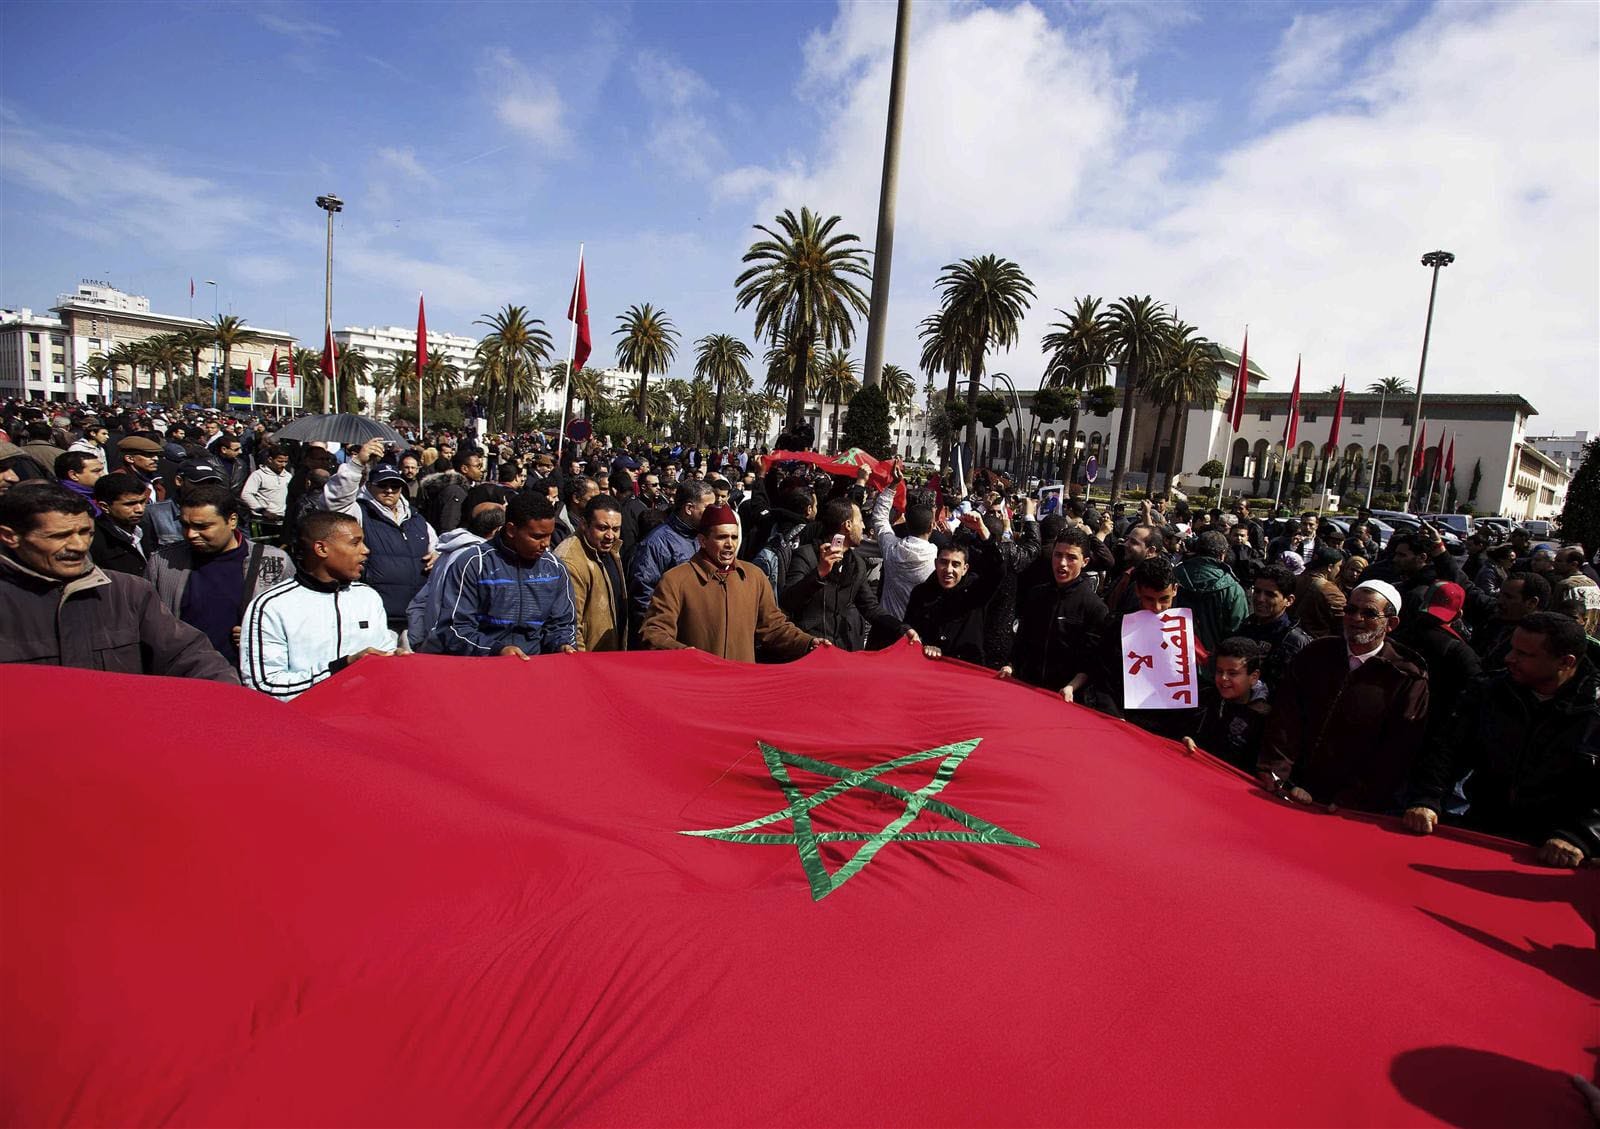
(716, 603)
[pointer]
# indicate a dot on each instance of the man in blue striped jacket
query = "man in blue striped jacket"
(510, 595)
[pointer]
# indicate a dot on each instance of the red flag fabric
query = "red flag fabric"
(330, 354)
(291, 368)
(191, 286)
(1241, 385)
(274, 369)
(1338, 417)
(422, 340)
(249, 375)
(1450, 460)
(578, 314)
(1422, 446)
(325, 914)
(1291, 426)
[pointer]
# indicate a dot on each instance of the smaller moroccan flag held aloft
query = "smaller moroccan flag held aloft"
(578, 315)
(330, 354)
(273, 369)
(1338, 415)
(422, 339)
(249, 375)
(1241, 385)
(291, 368)
(1291, 426)
(1450, 460)
(1422, 445)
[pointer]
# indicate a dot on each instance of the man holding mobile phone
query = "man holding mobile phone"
(827, 591)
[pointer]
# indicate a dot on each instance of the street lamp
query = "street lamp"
(1435, 260)
(330, 204)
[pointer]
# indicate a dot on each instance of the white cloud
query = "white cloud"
(681, 136)
(1313, 53)
(404, 161)
(526, 103)
(1476, 130)
(282, 21)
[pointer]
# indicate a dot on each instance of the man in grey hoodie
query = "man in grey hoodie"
(423, 613)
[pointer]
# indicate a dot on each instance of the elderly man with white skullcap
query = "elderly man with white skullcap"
(1349, 716)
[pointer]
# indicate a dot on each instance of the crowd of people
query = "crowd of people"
(1339, 668)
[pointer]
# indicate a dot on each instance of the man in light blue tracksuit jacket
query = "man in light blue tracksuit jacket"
(510, 595)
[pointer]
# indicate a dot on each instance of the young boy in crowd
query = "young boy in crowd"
(1233, 709)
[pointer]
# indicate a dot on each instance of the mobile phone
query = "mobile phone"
(838, 540)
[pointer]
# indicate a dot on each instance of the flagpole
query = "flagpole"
(572, 346)
(1327, 460)
(419, 371)
(1372, 464)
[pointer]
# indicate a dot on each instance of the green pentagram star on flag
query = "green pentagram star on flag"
(807, 840)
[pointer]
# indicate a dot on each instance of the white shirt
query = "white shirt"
(907, 561)
(298, 633)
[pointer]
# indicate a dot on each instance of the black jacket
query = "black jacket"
(112, 549)
(1533, 764)
(838, 607)
(1058, 629)
(1452, 665)
(957, 621)
(1282, 639)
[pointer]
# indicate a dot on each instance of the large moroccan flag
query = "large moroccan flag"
(1241, 386)
(578, 315)
(861, 889)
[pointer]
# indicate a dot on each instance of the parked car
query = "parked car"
(1539, 529)
(1460, 524)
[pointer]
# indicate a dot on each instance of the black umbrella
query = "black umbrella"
(343, 428)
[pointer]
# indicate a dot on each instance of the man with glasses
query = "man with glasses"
(400, 540)
(1351, 712)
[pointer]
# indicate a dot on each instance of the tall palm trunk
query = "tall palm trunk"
(1175, 459)
(642, 410)
(716, 414)
(1124, 436)
(974, 382)
(1153, 464)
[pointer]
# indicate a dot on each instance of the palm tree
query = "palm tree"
(898, 388)
(168, 351)
(123, 353)
(196, 341)
(144, 353)
(1187, 374)
(649, 344)
(396, 377)
(802, 285)
(1391, 386)
(1080, 351)
(352, 373)
(521, 347)
(439, 376)
(720, 358)
(660, 404)
(226, 332)
(98, 369)
(983, 301)
(556, 374)
(489, 373)
(757, 410)
(1138, 331)
(590, 387)
(782, 372)
(839, 380)
(698, 403)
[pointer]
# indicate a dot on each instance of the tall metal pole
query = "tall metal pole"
(330, 392)
(1436, 260)
(216, 346)
(1372, 464)
(883, 254)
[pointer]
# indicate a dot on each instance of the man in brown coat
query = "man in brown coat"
(594, 565)
(716, 603)
(1351, 712)
(1318, 600)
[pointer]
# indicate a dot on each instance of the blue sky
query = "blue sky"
(1277, 164)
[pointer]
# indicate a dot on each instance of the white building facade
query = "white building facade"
(382, 345)
(33, 357)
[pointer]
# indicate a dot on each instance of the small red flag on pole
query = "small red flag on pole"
(1422, 445)
(1450, 460)
(249, 375)
(291, 368)
(274, 369)
(330, 368)
(1291, 426)
(1338, 415)
(578, 315)
(1241, 385)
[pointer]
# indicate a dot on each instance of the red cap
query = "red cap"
(1445, 601)
(717, 515)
